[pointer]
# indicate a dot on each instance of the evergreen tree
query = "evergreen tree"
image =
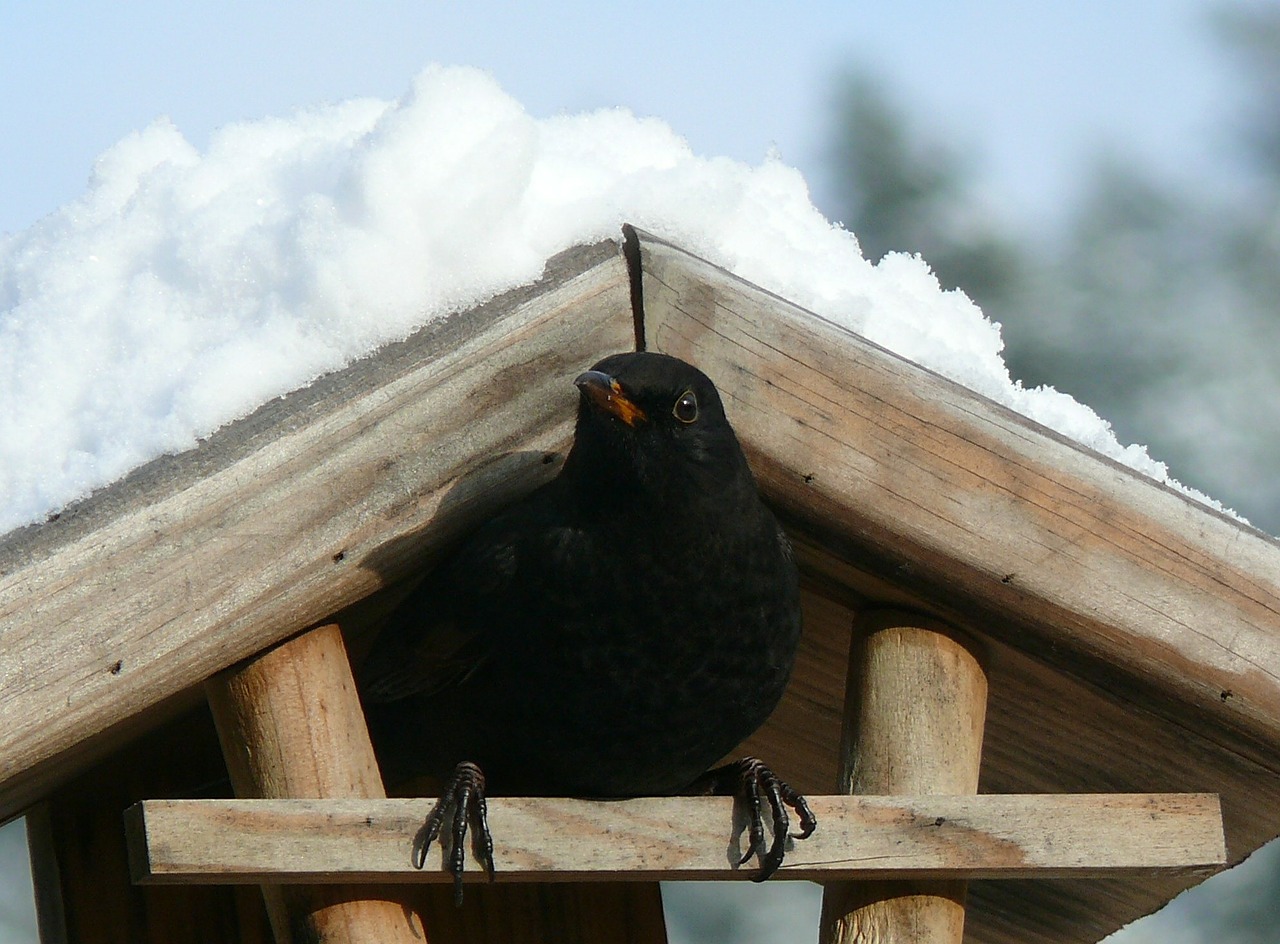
(900, 193)
(1157, 305)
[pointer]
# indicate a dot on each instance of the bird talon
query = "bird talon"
(750, 791)
(463, 797)
(429, 832)
(748, 779)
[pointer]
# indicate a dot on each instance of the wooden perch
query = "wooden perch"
(681, 839)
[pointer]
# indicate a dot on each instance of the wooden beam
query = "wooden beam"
(681, 838)
(290, 725)
(280, 519)
(922, 488)
(914, 719)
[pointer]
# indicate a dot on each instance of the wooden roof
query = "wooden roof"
(1133, 635)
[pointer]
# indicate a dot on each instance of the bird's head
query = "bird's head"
(653, 423)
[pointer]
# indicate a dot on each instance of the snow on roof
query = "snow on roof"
(183, 289)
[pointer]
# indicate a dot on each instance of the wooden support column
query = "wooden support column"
(291, 725)
(914, 713)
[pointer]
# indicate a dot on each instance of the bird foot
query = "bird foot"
(752, 781)
(463, 800)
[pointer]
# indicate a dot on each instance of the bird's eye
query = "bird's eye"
(686, 408)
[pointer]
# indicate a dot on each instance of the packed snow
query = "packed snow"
(185, 288)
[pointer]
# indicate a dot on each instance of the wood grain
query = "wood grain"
(282, 518)
(914, 719)
(925, 487)
(290, 724)
(681, 838)
(1135, 634)
(1047, 731)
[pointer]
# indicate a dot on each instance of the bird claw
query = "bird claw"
(463, 798)
(753, 781)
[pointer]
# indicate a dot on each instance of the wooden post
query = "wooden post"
(914, 713)
(291, 725)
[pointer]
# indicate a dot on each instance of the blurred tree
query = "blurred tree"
(1132, 316)
(1251, 35)
(899, 193)
(17, 913)
(1155, 304)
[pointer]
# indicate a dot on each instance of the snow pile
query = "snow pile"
(184, 289)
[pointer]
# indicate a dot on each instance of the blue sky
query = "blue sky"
(1031, 90)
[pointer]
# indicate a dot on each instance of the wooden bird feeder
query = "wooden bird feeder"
(1038, 694)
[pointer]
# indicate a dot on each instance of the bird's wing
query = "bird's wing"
(402, 663)
(446, 629)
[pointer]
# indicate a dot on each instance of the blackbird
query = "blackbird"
(612, 635)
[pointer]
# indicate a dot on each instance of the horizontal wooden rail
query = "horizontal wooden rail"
(681, 838)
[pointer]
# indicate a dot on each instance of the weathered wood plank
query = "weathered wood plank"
(682, 838)
(913, 482)
(278, 520)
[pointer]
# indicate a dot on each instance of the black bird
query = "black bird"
(612, 635)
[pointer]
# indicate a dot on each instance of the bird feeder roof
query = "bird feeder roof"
(1132, 634)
